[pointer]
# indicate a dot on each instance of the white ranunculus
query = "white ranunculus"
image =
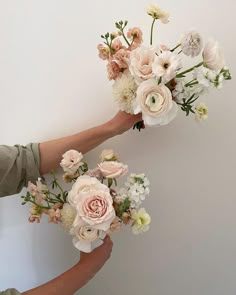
(124, 92)
(141, 60)
(212, 56)
(86, 238)
(165, 66)
(71, 161)
(155, 103)
(191, 43)
(156, 12)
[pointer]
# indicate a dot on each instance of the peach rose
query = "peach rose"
(141, 60)
(112, 169)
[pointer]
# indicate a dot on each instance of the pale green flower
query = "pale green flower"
(157, 13)
(141, 221)
(201, 111)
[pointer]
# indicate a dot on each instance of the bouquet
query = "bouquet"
(94, 206)
(152, 80)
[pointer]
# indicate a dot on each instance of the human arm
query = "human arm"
(76, 277)
(51, 151)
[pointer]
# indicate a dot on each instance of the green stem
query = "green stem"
(42, 207)
(153, 22)
(122, 31)
(177, 46)
(180, 75)
(192, 84)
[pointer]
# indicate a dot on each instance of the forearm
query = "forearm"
(51, 151)
(66, 284)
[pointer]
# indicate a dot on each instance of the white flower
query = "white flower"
(141, 60)
(141, 221)
(155, 102)
(201, 111)
(124, 92)
(165, 66)
(86, 238)
(109, 155)
(181, 92)
(154, 11)
(191, 43)
(212, 56)
(68, 214)
(137, 188)
(207, 77)
(71, 161)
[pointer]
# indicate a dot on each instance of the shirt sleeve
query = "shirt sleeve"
(10, 292)
(18, 165)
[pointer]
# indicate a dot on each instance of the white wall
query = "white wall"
(51, 84)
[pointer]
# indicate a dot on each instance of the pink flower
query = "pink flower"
(96, 172)
(115, 226)
(93, 203)
(112, 169)
(54, 215)
(34, 218)
(71, 161)
(122, 58)
(136, 35)
(116, 44)
(103, 52)
(113, 70)
(141, 60)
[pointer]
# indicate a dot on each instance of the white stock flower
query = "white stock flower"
(137, 188)
(201, 111)
(207, 77)
(165, 66)
(141, 60)
(191, 43)
(71, 161)
(155, 102)
(213, 57)
(68, 214)
(124, 92)
(141, 221)
(157, 13)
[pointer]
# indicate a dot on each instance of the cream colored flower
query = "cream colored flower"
(166, 65)
(213, 57)
(112, 169)
(141, 221)
(201, 111)
(71, 161)
(124, 92)
(155, 103)
(156, 12)
(109, 155)
(68, 214)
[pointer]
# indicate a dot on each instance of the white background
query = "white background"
(53, 84)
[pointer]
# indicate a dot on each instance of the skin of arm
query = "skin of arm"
(51, 151)
(76, 277)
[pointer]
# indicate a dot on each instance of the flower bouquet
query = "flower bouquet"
(94, 206)
(151, 79)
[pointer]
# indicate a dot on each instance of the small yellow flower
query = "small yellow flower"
(141, 221)
(201, 111)
(157, 13)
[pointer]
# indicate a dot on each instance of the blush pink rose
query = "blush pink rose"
(112, 169)
(113, 70)
(141, 60)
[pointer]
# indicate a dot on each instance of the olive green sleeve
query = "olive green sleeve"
(10, 292)
(18, 165)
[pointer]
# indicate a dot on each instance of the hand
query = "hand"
(123, 122)
(94, 261)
